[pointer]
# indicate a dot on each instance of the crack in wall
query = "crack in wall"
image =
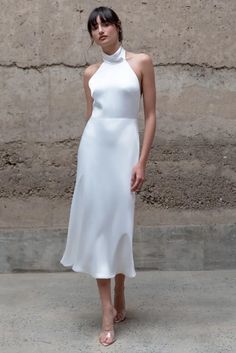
(44, 66)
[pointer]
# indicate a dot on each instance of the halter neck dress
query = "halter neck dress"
(101, 222)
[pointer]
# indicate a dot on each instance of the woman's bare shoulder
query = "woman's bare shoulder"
(140, 57)
(90, 70)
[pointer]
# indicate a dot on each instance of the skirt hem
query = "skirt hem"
(97, 275)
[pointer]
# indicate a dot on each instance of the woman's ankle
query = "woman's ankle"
(108, 316)
(107, 308)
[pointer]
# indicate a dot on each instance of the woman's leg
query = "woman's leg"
(119, 296)
(108, 310)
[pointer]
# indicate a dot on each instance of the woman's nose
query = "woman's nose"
(100, 29)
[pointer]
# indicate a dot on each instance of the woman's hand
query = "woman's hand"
(137, 177)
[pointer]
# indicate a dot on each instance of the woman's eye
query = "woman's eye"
(105, 24)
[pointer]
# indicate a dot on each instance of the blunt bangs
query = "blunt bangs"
(106, 14)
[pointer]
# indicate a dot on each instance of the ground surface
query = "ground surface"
(167, 312)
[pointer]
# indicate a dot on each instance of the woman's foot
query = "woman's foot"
(119, 303)
(107, 335)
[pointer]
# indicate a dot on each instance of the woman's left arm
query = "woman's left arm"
(149, 104)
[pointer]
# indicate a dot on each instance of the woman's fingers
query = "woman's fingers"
(137, 178)
(137, 182)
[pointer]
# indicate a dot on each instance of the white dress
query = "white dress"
(100, 231)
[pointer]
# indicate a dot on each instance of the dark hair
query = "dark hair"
(106, 14)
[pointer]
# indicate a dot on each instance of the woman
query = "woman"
(110, 170)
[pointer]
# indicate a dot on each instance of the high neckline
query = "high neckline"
(116, 57)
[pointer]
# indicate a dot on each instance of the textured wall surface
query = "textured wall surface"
(44, 48)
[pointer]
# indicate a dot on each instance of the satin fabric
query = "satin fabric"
(100, 231)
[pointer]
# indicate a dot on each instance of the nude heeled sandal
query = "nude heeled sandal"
(122, 316)
(107, 334)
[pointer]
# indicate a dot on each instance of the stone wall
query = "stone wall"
(44, 49)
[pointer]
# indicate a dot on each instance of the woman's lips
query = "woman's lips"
(102, 37)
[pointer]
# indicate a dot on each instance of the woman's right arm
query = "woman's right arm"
(88, 73)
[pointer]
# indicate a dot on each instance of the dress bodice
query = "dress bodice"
(115, 88)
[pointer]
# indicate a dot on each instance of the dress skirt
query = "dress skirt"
(100, 232)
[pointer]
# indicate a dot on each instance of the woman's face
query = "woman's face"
(104, 33)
